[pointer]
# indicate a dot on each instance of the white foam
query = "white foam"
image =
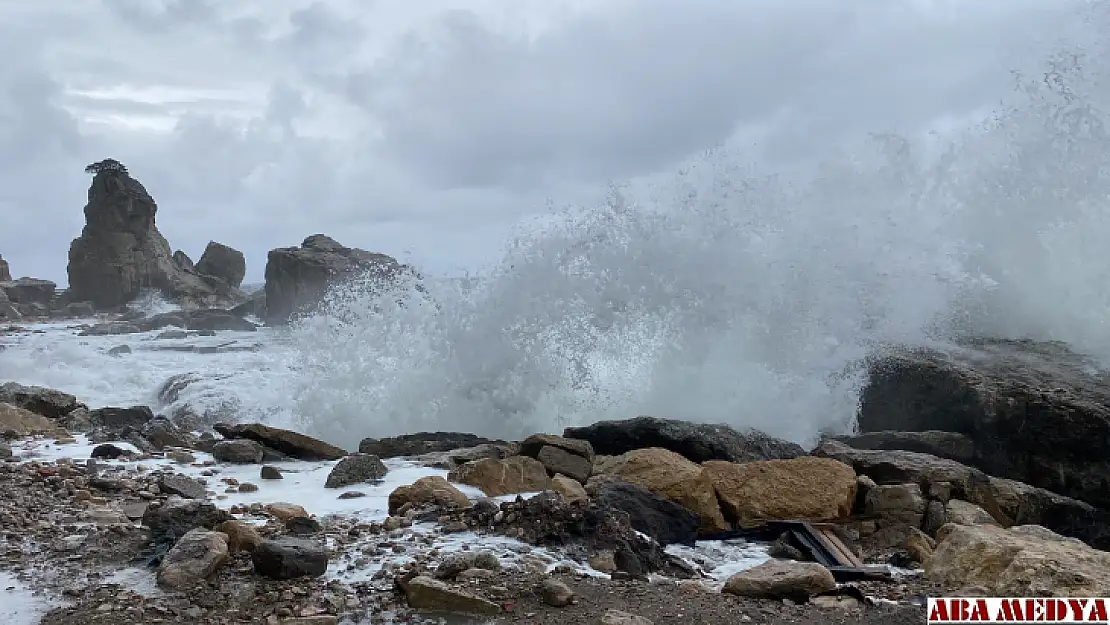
(721, 559)
(19, 605)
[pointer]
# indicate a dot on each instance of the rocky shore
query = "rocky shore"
(119, 514)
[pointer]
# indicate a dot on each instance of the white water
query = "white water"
(719, 292)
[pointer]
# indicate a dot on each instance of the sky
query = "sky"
(428, 130)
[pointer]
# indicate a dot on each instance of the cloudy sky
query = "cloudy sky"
(428, 129)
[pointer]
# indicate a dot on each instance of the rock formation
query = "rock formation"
(298, 278)
(223, 262)
(5, 271)
(120, 251)
(1034, 412)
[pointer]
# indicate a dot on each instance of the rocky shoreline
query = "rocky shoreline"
(121, 514)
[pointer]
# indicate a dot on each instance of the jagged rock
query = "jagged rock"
(432, 490)
(182, 485)
(781, 579)
(177, 516)
(354, 469)
(421, 443)
(29, 291)
(196, 556)
(162, 433)
(571, 457)
(698, 442)
(298, 278)
(5, 271)
(1025, 561)
(1037, 412)
(951, 445)
(518, 474)
(774, 490)
(120, 252)
(1008, 501)
(662, 519)
(290, 558)
(672, 476)
(287, 442)
(238, 451)
(183, 261)
(425, 593)
(44, 401)
(223, 262)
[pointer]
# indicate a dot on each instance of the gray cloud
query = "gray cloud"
(431, 127)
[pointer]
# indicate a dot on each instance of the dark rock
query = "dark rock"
(289, 558)
(421, 443)
(5, 271)
(79, 310)
(108, 450)
(951, 445)
(177, 516)
(1011, 502)
(184, 486)
(184, 262)
(118, 419)
(665, 521)
(120, 252)
(698, 442)
(202, 319)
(119, 350)
(270, 473)
(162, 433)
(572, 457)
(255, 306)
(223, 262)
(1036, 412)
(112, 328)
(287, 442)
(299, 278)
(354, 469)
(238, 451)
(29, 291)
(302, 526)
(44, 401)
(173, 334)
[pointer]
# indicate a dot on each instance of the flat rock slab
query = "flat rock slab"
(290, 443)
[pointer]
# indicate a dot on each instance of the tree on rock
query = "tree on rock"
(108, 165)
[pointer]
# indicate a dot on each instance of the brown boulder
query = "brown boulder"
(433, 490)
(781, 579)
(672, 477)
(518, 474)
(24, 422)
(799, 488)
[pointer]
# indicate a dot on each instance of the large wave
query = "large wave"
(724, 294)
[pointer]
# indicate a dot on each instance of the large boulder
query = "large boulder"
(44, 401)
(1024, 561)
(299, 278)
(815, 489)
(29, 291)
(223, 262)
(1036, 412)
(698, 442)
(121, 252)
(519, 474)
(292, 444)
(422, 443)
(673, 477)
(1008, 501)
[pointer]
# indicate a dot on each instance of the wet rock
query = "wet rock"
(302, 526)
(354, 469)
(298, 278)
(289, 558)
(239, 451)
(951, 445)
(223, 262)
(774, 490)
(162, 433)
(108, 450)
(698, 442)
(518, 474)
(460, 561)
(781, 579)
(1036, 412)
(195, 557)
(285, 511)
(673, 477)
(555, 593)
(421, 443)
(571, 457)
(184, 486)
(121, 419)
(177, 516)
(270, 473)
(1025, 561)
(425, 593)
(433, 490)
(289, 443)
(47, 402)
(119, 350)
(241, 536)
(662, 519)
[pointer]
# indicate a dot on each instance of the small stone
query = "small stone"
(270, 473)
(194, 557)
(555, 593)
(354, 469)
(289, 558)
(460, 561)
(302, 526)
(241, 536)
(107, 451)
(285, 511)
(246, 487)
(351, 494)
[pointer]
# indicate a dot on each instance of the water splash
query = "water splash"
(724, 294)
